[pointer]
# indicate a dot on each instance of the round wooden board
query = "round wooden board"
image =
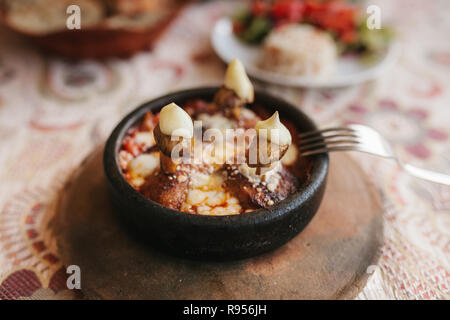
(328, 260)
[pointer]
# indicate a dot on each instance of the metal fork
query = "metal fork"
(364, 139)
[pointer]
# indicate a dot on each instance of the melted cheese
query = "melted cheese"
(216, 121)
(206, 193)
(142, 166)
(145, 139)
(217, 154)
(207, 196)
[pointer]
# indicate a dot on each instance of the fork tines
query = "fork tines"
(331, 139)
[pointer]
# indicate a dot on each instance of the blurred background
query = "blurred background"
(62, 91)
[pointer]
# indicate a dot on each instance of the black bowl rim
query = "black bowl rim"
(116, 179)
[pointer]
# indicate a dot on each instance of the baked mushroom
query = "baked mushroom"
(237, 89)
(270, 144)
(173, 134)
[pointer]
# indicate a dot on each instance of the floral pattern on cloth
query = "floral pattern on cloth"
(54, 112)
(24, 284)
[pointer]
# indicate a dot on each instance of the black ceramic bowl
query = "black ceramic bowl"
(215, 237)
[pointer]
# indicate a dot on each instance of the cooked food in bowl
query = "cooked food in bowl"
(235, 157)
(197, 192)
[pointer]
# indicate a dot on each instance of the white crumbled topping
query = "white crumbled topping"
(270, 178)
(249, 173)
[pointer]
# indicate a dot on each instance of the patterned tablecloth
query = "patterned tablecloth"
(53, 113)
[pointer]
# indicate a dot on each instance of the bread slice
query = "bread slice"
(39, 17)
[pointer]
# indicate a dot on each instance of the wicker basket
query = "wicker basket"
(102, 40)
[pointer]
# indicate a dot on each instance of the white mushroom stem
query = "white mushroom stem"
(236, 79)
(173, 134)
(270, 144)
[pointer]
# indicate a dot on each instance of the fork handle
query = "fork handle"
(427, 174)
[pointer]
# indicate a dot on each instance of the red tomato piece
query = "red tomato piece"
(130, 145)
(335, 15)
(149, 122)
(238, 27)
(288, 10)
(259, 7)
(349, 36)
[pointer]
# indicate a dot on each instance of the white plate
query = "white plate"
(349, 70)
